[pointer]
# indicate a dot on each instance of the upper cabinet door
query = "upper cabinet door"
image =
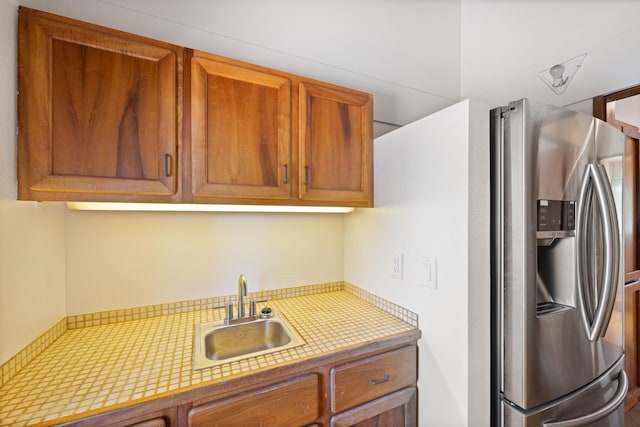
(240, 131)
(98, 112)
(335, 145)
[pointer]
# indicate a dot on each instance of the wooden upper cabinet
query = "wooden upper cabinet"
(240, 131)
(108, 116)
(98, 112)
(335, 145)
(241, 137)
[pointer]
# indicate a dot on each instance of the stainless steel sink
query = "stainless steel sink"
(216, 343)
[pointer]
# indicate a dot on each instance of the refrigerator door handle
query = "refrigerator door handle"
(585, 297)
(597, 309)
(600, 413)
(612, 224)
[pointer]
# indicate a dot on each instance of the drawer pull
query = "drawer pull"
(381, 381)
(167, 164)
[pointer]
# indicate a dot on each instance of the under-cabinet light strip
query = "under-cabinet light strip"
(102, 206)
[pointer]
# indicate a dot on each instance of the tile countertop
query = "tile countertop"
(99, 368)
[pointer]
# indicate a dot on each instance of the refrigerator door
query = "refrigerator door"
(600, 404)
(556, 266)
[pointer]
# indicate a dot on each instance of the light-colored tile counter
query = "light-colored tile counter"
(99, 368)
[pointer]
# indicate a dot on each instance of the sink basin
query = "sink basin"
(216, 343)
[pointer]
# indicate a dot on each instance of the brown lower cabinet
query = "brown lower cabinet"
(395, 409)
(370, 387)
(291, 403)
(155, 422)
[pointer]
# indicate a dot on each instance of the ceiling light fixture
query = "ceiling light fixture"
(559, 76)
(168, 207)
(557, 72)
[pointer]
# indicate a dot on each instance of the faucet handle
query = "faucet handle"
(252, 306)
(228, 311)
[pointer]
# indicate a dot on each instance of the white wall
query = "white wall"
(432, 200)
(130, 259)
(628, 110)
(32, 274)
(31, 235)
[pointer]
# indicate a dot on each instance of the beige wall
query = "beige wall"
(32, 249)
(129, 259)
(32, 287)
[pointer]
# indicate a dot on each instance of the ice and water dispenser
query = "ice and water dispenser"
(556, 261)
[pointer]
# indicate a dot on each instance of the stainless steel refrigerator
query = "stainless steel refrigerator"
(557, 322)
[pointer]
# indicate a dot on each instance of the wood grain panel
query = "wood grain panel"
(104, 113)
(361, 381)
(241, 139)
(394, 410)
(98, 111)
(101, 119)
(335, 144)
(293, 403)
(334, 124)
(156, 422)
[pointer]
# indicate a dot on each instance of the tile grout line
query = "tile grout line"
(102, 366)
(10, 368)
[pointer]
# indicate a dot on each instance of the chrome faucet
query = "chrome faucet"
(242, 302)
(242, 294)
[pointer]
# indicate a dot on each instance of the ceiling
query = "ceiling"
(415, 56)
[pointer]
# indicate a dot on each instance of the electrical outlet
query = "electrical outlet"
(396, 267)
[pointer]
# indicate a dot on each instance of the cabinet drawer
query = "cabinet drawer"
(368, 379)
(395, 409)
(292, 403)
(155, 422)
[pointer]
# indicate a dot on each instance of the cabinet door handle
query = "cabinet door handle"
(380, 381)
(306, 175)
(286, 174)
(167, 164)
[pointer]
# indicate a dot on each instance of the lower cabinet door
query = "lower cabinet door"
(155, 422)
(393, 410)
(289, 404)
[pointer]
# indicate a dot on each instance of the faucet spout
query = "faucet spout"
(242, 293)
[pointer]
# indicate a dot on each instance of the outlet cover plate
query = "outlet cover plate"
(429, 268)
(396, 265)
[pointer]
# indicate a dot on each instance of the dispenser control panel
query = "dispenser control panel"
(556, 215)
